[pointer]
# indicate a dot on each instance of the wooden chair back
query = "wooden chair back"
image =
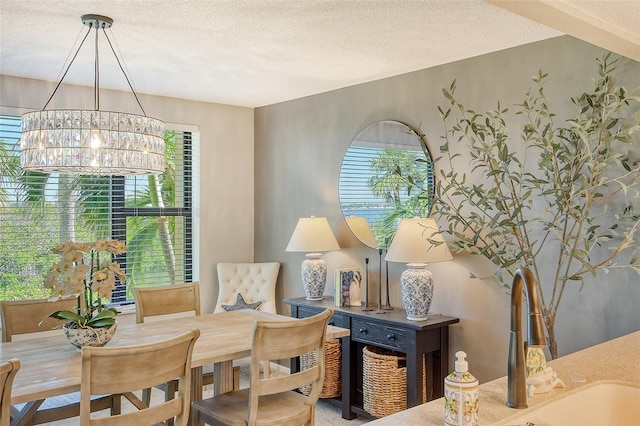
(165, 300)
(24, 316)
(8, 371)
(273, 399)
(123, 370)
(274, 340)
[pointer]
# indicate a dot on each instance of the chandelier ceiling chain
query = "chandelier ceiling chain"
(67, 70)
(92, 141)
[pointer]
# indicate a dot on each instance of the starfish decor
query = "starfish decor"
(241, 304)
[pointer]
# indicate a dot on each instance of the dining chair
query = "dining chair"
(128, 369)
(8, 371)
(165, 300)
(255, 282)
(273, 399)
(161, 302)
(25, 318)
(246, 285)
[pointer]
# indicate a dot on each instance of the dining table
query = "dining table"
(51, 366)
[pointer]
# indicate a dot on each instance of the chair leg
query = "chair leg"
(116, 404)
(195, 417)
(236, 378)
(266, 368)
(146, 396)
(172, 388)
(169, 394)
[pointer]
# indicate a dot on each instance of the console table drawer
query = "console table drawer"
(377, 334)
(339, 320)
(308, 311)
(336, 319)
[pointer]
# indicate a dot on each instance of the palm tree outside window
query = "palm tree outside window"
(153, 214)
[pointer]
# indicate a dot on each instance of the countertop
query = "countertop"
(616, 360)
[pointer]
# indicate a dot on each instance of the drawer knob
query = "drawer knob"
(391, 336)
(363, 330)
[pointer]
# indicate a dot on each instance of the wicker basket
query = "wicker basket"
(384, 381)
(332, 369)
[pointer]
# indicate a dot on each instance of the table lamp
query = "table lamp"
(417, 242)
(313, 235)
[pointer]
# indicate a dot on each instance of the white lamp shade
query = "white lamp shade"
(313, 234)
(362, 231)
(414, 243)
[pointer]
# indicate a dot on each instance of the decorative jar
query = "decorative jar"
(80, 336)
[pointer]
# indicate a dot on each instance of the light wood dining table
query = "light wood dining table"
(51, 365)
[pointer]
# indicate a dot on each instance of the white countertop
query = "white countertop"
(616, 359)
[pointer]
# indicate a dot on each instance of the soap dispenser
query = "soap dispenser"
(461, 390)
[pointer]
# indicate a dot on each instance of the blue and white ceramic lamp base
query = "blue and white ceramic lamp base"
(416, 285)
(314, 276)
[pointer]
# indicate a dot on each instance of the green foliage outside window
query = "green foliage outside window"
(39, 211)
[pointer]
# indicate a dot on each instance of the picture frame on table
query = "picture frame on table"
(347, 287)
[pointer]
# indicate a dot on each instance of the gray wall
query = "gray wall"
(299, 147)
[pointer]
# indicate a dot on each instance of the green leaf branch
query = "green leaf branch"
(516, 203)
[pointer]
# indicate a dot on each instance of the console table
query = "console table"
(418, 340)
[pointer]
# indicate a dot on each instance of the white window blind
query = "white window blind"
(384, 185)
(153, 214)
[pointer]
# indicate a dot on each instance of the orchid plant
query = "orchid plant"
(88, 272)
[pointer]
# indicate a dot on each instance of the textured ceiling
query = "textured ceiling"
(258, 52)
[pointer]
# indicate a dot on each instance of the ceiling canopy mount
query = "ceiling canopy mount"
(92, 142)
(97, 21)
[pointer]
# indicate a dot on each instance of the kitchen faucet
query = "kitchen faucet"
(516, 386)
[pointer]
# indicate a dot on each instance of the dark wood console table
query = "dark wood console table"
(418, 340)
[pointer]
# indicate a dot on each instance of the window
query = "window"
(153, 214)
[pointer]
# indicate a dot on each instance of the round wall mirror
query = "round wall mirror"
(386, 175)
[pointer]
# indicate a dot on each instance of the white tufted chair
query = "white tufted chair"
(255, 281)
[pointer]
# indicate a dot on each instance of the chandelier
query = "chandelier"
(92, 142)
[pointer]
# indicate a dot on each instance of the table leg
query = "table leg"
(196, 390)
(223, 379)
(349, 378)
(414, 377)
(441, 363)
(222, 383)
(428, 363)
(25, 416)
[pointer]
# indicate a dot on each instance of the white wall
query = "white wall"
(299, 147)
(225, 161)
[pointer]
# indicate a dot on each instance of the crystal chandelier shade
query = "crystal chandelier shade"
(92, 142)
